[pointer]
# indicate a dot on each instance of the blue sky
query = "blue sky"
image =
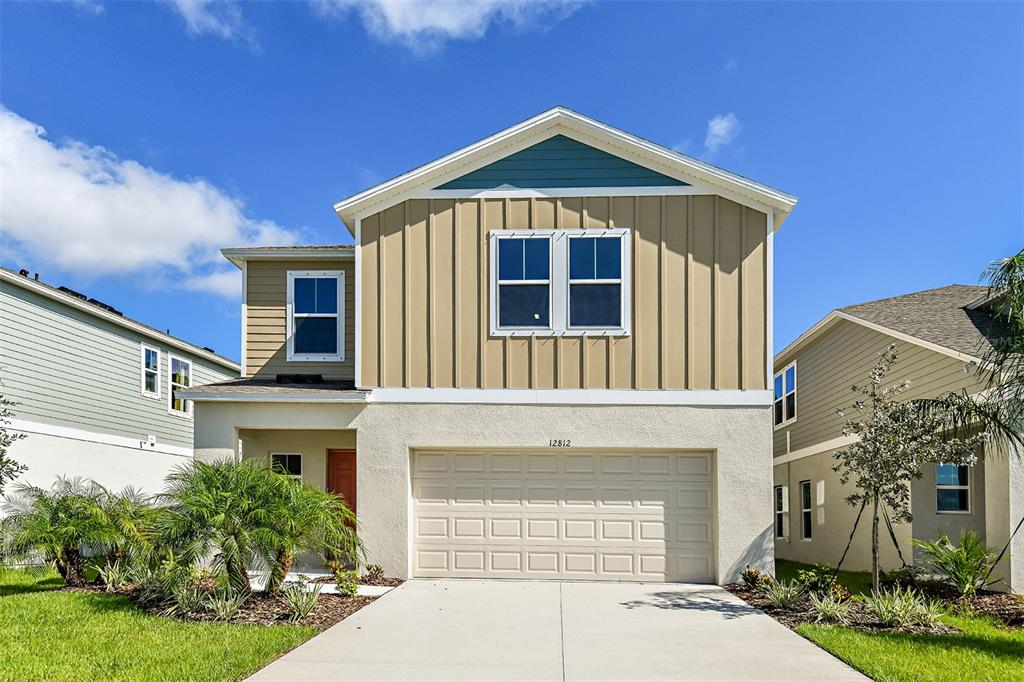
(180, 127)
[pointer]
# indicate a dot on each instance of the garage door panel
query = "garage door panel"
(607, 516)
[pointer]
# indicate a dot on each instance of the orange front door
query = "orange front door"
(341, 475)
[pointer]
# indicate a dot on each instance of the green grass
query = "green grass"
(984, 650)
(47, 635)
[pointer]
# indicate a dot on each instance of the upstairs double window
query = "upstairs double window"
(559, 282)
(785, 396)
(315, 315)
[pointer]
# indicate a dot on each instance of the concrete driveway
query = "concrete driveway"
(516, 630)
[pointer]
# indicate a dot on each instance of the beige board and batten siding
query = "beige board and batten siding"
(842, 357)
(266, 296)
(699, 296)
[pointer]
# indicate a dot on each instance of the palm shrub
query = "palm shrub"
(58, 524)
(225, 511)
(307, 518)
(966, 565)
(134, 517)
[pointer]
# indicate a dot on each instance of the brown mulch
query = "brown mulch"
(363, 580)
(1008, 608)
(861, 615)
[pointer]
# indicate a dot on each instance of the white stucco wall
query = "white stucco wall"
(386, 434)
(113, 466)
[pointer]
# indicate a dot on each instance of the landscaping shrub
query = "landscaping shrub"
(930, 612)
(300, 598)
(57, 524)
(816, 579)
(115, 575)
(897, 607)
(828, 609)
(965, 566)
(375, 573)
(782, 593)
(347, 582)
(225, 603)
(752, 577)
(186, 598)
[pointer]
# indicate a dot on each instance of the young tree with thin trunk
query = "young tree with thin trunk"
(894, 442)
(9, 469)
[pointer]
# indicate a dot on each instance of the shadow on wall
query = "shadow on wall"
(760, 554)
(709, 601)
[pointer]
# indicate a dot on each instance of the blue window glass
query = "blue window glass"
(581, 258)
(510, 259)
(950, 474)
(595, 305)
(305, 295)
(523, 259)
(524, 305)
(316, 335)
(536, 260)
(608, 257)
(778, 386)
(790, 379)
(952, 499)
(327, 295)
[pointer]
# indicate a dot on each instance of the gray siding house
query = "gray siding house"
(96, 392)
(941, 336)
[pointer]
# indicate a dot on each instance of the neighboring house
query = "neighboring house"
(547, 356)
(96, 392)
(940, 335)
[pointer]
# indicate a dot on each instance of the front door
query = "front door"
(341, 475)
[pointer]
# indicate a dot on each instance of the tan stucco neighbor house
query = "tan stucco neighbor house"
(547, 355)
(941, 334)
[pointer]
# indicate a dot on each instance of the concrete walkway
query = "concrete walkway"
(514, 630)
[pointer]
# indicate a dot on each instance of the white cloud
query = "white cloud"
(723, 129)
(425, 26)
(85, 211)
(220, 18)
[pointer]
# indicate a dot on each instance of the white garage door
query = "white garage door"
(643, 515)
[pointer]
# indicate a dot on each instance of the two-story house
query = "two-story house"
(546, 355)
(97, 394)
(941, 336)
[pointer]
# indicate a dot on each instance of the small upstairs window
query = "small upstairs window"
(180, 372)
(595, 282)
(315, 315)
(524, 282)
(785, 396)
(150, 372)
(952, 489)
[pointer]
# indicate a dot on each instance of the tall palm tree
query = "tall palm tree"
(58, 524)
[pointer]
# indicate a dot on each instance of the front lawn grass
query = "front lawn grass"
(56, 635)
(984, 650)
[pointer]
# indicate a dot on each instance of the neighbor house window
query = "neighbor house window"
(566, 282)
(180, 372)
(785, 395)
(150, 372)
(287, 463)
(952, 488)
(315, 315)
(805, 509)
(781, 507)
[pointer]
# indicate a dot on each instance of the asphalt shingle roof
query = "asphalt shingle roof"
(939, 316)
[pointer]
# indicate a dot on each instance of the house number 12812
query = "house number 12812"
(559, 443)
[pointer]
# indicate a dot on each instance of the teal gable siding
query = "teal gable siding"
(65, 367)
(561, 161)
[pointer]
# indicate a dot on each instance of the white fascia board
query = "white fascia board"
(511, 396)
(816, 449)
(838, 315)
(24, 426)
(240, 255)
(119, 320)
(576, 126)
(238, 397)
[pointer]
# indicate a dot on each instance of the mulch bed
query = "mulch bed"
(861, 615)
(364, 580)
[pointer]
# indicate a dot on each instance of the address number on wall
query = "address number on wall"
(559, 443)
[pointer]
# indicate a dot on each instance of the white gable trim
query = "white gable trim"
(588, 131)
(838, 315)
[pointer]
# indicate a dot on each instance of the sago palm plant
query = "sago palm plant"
(59, 524)
(308, 519)
(224, 511)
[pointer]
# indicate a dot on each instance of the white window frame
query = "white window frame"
(142, 371)
(796, 383)
(292, 356)
(780, 500)
(189, 405)
(302, 463)
(806, 513)
(558, 279)
(938, 487)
